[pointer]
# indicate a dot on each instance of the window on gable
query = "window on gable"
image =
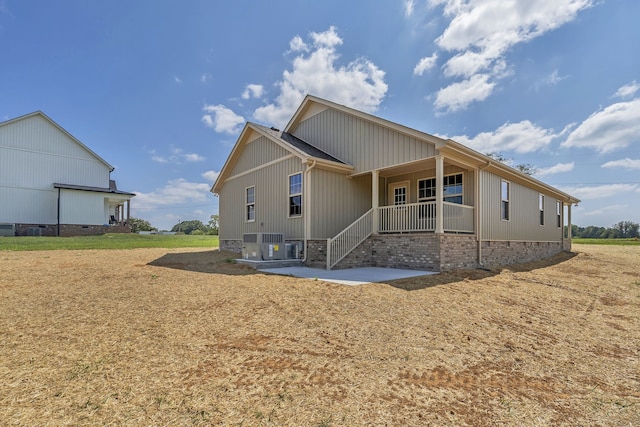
(295, 195)
(541, 207)
(504, 204)
(250, 200)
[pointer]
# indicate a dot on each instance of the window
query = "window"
(504, 205)
(295, 195)
(452, 189)
(541, 207)
(250, 200)
(399, 196)
(426, 189)
(559, 214)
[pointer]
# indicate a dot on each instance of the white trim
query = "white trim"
(247, 204)
(257, 168)
(508, 219)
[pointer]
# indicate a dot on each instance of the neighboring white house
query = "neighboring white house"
(52, 184)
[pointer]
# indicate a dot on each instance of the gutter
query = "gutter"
(306, 207)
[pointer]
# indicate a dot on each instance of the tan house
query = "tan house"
(346, 189)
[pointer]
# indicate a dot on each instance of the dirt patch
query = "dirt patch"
(186, 337)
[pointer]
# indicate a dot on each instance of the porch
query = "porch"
(424, 196)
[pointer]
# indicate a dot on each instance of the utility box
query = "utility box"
(263, 246)
(7, 229)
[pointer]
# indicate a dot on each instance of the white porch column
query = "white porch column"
(128, 210)
(439, 194)
(375, 202)
(569, 222)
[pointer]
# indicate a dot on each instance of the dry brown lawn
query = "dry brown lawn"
(182, 337)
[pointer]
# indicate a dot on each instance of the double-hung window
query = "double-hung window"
(295, 195)
(504, 200)
(452, 187)
(541, 207)
(250, 201)
(559, 214)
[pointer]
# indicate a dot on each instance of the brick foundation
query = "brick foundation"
(231, 245)
(68, 230)
(495, 254)
(316, 253)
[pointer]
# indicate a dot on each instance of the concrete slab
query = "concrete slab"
(349, 276)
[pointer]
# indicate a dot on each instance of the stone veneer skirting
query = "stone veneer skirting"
(434, 252)
(231, 245)
(68, 230)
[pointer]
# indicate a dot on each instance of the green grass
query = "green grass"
(617, 242)
(107, 241)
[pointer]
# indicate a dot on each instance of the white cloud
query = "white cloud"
(177, 156)
(626, 163)
(481, 32)
(617, 126)
(359, 84)
(253, 91)
(600, 191)
(559, 168)
(521, 137)
(193, 157)
(222, 119)
(205, 77)
(409, 6)
(606, 210)
(425, 64)
(297, 45)
(458, 96)
(627, 91)
(177, 193)
(177, 80)
(211, 176)
(551, 80)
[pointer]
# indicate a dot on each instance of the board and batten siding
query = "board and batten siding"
(35, 154)
(256, 153)
(524, 219)
(83, 207)
(337, 201)
(468, 186)
(360, 143)
(271, 201)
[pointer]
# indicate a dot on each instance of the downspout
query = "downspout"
(58, 226)
(478, 207)
(306, 207)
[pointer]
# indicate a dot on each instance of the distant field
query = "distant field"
(616, 242)
(107, 241)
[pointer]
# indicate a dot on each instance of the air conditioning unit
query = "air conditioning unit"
(263, 246)
(7, 229)
(34, 231)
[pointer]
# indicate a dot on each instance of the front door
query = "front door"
(399, 193)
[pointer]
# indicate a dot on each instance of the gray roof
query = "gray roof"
(299, 144)
(93, 189)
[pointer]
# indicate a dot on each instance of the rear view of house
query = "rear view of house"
(52, 184)
(352, 189)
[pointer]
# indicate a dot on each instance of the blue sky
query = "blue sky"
(161, 89)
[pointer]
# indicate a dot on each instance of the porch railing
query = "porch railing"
(422, 217)
(348, 239)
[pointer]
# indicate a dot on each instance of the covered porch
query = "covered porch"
(433, 195)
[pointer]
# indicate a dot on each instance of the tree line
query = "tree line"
(193, 226)
(621, 230)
